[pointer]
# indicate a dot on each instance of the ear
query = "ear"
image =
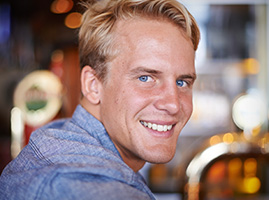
(90, 85)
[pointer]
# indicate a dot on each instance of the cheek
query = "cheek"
(137, 101)
(117, 101)
(187, 105)
(121, 102)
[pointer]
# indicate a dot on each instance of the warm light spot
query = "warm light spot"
(214, 140)
(263, 144)
(256, 131)
(250, 167)
(251, 66)
(217, 172)
(235, 166)
(61, 6)
(234, 172)
(251, 185)
(57, 56)
(73, 20)
(158, 174)
(228, 138)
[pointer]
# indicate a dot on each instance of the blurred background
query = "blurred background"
(223, 152)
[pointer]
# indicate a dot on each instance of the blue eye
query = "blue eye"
(144, 78)
(181, 83)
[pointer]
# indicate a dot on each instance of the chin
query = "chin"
(160, 157)
(160, 160)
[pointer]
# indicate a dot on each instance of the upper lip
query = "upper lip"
(159, 122)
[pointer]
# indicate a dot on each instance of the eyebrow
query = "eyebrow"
(145, 70)
(192, 76)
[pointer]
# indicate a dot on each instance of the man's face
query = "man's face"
(147, 98)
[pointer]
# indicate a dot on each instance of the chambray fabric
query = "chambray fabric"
(71, 159)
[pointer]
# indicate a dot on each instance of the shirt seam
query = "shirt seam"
(38, 153)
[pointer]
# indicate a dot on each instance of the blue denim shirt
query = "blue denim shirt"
(71, 159)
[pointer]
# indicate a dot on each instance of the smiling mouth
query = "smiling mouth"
(157, 127)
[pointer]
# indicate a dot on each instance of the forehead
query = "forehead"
(146, 26)
(145, 38)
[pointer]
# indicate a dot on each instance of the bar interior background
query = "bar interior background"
(227, 137)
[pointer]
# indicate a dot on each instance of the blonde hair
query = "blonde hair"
(95, 35)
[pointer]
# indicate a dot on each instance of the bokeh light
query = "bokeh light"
(61, 6)
(73, 20)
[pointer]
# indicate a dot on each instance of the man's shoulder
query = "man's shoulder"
(73, 181)
(90, 186)
(65, 160)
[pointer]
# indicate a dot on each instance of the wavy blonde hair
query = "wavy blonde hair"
(96, 32)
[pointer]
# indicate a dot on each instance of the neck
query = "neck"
(132, 161)
(91, 108)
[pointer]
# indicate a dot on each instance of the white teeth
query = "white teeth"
(157, 127)
(160, 128)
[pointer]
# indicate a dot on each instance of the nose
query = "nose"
(168, 99)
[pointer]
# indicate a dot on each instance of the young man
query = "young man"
(137, 59)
